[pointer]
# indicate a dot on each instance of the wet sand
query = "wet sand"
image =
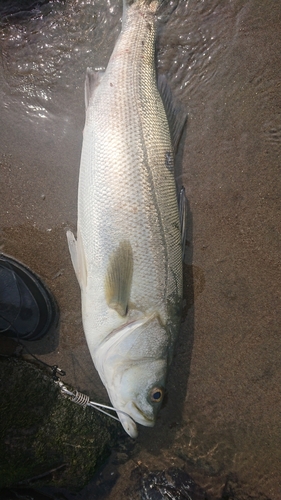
(221, 420)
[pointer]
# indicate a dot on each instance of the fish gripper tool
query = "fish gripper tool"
(76, 396)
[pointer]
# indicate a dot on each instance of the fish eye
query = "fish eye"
(156, 395)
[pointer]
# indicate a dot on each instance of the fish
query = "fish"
(128, 253)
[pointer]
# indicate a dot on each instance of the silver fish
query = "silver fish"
(128, 253)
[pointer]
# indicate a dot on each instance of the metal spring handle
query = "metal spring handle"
(80, 399)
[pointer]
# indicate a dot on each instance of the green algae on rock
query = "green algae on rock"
(42, 431)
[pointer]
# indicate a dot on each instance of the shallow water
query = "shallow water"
(222, 416)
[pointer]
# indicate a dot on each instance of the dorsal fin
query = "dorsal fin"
(182, 202)
(175, 112)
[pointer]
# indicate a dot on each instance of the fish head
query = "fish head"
(141, 392)
(133, 369)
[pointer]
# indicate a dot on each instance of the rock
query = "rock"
(44, 437)
(173, 483)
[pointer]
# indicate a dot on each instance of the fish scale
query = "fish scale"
(128, 255)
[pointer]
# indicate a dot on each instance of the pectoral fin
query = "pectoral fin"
(119, 278)
(77, 257)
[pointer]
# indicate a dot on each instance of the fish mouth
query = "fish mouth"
(131, 415)
(139, 416)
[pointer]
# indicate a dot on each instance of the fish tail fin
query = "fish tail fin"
(127, 3)
(150, 5)
(146, 6)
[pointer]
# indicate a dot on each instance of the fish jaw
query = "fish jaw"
(129, 416)
(128, 425)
